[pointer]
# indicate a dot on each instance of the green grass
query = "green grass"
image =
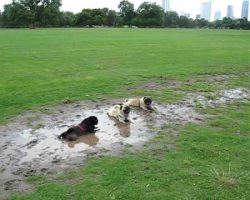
(45, 66)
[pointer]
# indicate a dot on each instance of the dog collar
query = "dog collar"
(83, 129)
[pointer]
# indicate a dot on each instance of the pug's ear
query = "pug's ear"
(120, 106)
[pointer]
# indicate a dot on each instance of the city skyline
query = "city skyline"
(192, 7)
(230, 11)
(217, 15)
(166, 5)
(206, 10)
(245, 9)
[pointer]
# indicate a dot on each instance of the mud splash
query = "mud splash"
(29, 144)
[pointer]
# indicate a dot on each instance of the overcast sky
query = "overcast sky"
(187, 6)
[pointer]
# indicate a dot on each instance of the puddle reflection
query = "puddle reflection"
(124, 129)
(89, 139)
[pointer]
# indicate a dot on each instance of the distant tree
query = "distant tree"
(112, 18)
(50, 16)
(201, 23)
(16, 15)
(185, 22)
(83, 18)
(89, 17)
(127, 12)
(149, 15)
(54, 3)
(217, 24)
(46, 12)
(98, 16)
(171, 19)
(67, 19)
(31, 4)
(0, 18)
(228, 23)
(244, 24)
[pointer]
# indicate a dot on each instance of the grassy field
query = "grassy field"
(46, 66)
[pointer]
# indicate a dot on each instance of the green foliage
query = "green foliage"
(171, 19)
(185, 22)
(23, 13)
(149, 15)
(67, 19)
(126, 12)
(16, 14)
(50, 15)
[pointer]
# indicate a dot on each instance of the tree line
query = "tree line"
(46, 13)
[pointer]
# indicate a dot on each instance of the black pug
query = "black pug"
(85, 127)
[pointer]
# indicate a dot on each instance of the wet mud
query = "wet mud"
(219, 99)
(29, 144)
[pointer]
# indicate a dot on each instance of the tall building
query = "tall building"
(244, 10)
(230, 11)
(206, 10)
(217, 15)
(166, 5)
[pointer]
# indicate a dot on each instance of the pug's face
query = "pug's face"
(147, 101)
(125, 109)
(93, 120)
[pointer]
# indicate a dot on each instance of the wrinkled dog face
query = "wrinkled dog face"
(124, 113)
(93, 120)
(125, 109)
(147, 101)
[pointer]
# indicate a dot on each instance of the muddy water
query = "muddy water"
(27, 149)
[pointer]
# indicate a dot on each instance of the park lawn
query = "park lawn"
(46, 66)
(43, 67)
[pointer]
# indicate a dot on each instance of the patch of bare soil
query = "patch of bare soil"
(213, 78)
(29, 144)
(163, 84)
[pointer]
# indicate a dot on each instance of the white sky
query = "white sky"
(187, 6)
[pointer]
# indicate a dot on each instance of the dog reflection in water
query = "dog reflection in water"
(124, 129)
(89, 139)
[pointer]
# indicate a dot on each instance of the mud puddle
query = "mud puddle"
(29, 144)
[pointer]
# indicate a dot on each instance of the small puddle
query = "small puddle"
(26, 151)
